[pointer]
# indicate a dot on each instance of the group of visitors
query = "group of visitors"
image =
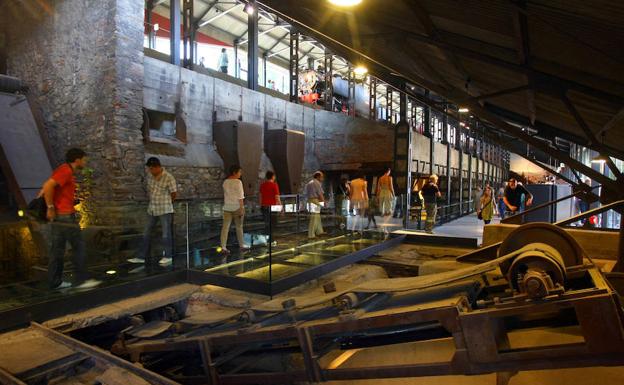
(222, 63)
(364, 206)
(59, 193)
(511, 198)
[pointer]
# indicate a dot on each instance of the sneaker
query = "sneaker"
(136, 260)
(89, 283)
(244, 249)
(63, 285)
(165, 261)
(225, 251)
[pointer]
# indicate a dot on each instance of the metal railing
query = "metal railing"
(520, 218)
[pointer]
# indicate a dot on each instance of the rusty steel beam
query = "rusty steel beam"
(8, 379)
(590, 135)
(524, 55)
(101, 355)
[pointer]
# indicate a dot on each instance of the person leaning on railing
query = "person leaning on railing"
(516, 196)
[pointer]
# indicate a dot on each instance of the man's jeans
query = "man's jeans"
(166, 222)
(65, 229)
(501, 209)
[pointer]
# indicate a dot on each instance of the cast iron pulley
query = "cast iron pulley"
(537, 271)
(570, 251)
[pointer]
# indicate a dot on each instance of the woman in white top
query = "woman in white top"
(233, 207)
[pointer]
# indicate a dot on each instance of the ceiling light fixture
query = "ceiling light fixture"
(249, 9)
(601, 159)
(360, 70)
(463, 109)
(345, 3)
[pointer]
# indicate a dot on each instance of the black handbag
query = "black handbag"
(38, 209)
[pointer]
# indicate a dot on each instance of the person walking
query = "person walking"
(359, 199)
(223, 61)
(516, 197)
(233, 208)
(486, 206)
(59, 192)
(315, 196)
(476, 196)
(500, 201)
(371, 211)
(385, 193)
(269, 197)
(431, 193)
(342, 195)
(162, 191)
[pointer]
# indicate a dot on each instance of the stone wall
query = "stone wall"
(83, 62)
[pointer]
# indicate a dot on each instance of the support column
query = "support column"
(236, 66)
(174, 18)
(151, 36)
(188, 35)
(470, 153)
(264, 70)
(372, 99)
(252, 46)
(477, 153)
(401, 166)
(429, 133)
(294, 66)
(351, 92)
(403, 106)
(460, 149)
(447, 135)
(329, 77)
(388, 104)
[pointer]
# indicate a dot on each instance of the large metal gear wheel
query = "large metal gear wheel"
(571, 252)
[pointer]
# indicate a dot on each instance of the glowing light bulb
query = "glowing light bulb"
(345, 3)
(360, 70)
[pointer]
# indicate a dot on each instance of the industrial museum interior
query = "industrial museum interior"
(311, 191)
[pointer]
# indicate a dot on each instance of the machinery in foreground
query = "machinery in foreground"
(541, 280)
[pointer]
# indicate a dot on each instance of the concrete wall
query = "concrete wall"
(333, 141)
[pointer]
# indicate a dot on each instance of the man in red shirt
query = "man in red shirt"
(60, 193)
(269, 196)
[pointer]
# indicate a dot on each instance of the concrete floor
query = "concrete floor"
(468, 226)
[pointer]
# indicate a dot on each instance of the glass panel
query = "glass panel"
(113, 254)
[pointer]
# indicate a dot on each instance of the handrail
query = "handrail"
(591, 212)
(519, 217)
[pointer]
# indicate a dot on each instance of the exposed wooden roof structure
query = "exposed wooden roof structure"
(555, 66)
